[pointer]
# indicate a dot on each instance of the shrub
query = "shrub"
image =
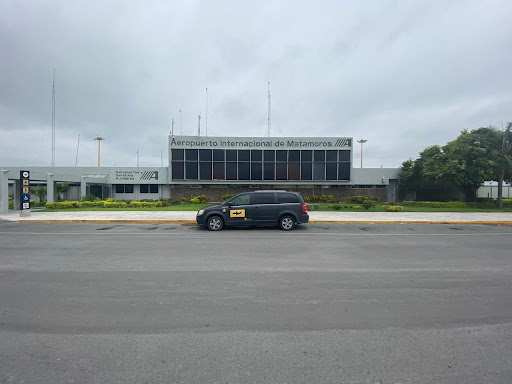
(202, 199)
(145, 204)
(110, 199)
(394, 208)
(227, 196)
(313, 207)
(87, 203)
(167, 202)
(330, 199)
(195, 200)
(337, 207)
(369, 203)
(389, 203)
(115, 204)
(183, 200)
(360, 199)
(90, 198)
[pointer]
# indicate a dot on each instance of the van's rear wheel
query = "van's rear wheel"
(215, 223)
(286, 223)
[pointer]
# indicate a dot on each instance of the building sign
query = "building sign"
(25, 190)
(260, 142)
(136, 175)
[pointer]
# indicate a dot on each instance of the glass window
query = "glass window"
(218, 155)
(205, 170)
(281, 155)
(191, 154)
(191, 170)
(343, 171)
(268, 171)
(178, 171)
(241, 200)
(319, 171)
(231, 155)
(293, 155)
(255, 171)
(331, 171)
(305, 171)
(128, 188)
(306, 155)
(319, 155)
(287, 198)
(263, 198)
(281, 171)
(256, 155)
(293, 171)
(205, 155)
(177, 154)
(244, 171)
(153, 188)
(332, 156)
(269, 155)
(344, 155)
(231, 171)
(244, 155)
(144, 188)
(119, 188)
(218, 170)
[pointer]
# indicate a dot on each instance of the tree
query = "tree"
(465, 162)
(61, 189)
(39, 192)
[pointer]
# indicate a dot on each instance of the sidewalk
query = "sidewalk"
(315, 217)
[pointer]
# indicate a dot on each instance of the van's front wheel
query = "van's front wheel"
(215, 223)
(286, 223)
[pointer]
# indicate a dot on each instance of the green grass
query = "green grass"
(345, 207)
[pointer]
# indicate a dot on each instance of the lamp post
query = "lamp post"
(99, 140)
(362, 141)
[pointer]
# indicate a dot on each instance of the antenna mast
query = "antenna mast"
(172, 126)
(269, 111)
(206, 112)
(181, 123)
(199, 124)
(77, 146)
(53, 119)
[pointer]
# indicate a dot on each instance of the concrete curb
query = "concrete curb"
(121, 221)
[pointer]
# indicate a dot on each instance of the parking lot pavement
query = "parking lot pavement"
(327, 303)
(315, 216)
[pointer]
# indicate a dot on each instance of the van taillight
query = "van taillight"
(304, 208)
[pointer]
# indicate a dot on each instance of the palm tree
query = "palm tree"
(39, 192)
(61, 189)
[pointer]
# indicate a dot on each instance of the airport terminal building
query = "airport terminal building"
(215, 166)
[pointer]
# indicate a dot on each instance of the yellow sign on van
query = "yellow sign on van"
(237, 213)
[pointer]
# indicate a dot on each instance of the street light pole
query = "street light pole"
(362, 141)
(99, 140)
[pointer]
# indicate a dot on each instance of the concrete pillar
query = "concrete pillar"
(50, 188)
(83, 187)
(4, 191)
(17, 197)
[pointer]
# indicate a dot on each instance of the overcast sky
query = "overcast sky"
(402, 74)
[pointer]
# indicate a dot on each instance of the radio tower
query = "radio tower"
(199, 124)
(269, 111)
(53, 120)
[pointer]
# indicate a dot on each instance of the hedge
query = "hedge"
(105, 204)
(394, 208)
(507, 203)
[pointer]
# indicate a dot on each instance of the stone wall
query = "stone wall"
(215, 193)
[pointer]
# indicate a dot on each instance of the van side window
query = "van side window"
(263, 198)
(241, 200)
(287, 198)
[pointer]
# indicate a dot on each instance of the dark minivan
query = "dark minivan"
(262, 208)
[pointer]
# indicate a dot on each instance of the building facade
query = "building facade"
(215, 166)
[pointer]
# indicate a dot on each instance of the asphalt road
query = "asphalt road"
(90, 303)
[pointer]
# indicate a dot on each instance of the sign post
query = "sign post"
(25, 193)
